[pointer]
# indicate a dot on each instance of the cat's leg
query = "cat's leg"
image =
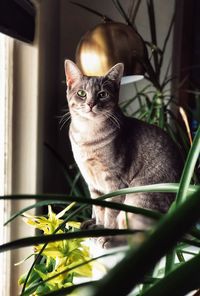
(98, 212)
(136, 222)
(110, 217)
(110, 221)
(133, 221)
(158, 202)
(105, 218)
(119, 220)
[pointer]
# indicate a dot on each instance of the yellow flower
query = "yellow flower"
(47, 225)
(60, 256)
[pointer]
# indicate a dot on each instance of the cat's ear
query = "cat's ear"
(116, 72)
(72, 72)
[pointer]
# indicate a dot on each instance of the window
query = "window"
(2, 110)
(17, 131)
(4, 205)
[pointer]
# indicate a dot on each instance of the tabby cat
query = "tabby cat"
(114, 151)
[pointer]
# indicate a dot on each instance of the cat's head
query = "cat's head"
(90, 97)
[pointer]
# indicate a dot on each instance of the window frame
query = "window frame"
(20, 152)
(5, 50)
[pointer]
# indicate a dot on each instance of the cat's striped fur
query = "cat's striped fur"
(114, 151)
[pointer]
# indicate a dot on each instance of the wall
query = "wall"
(48, 92)
(34, 100)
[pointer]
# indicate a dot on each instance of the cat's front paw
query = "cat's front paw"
(88, 224)
(105, 242)
(91, 224)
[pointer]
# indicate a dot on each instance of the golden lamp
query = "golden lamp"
(108, 44)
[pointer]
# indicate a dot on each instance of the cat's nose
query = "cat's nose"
(91, 105)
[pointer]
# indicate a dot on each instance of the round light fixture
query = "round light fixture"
(108, 44)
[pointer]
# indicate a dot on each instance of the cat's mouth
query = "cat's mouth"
(91, 112)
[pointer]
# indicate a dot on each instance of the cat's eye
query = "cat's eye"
(103, 94)
(81, 93)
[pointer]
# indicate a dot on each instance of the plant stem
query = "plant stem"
(189, 169)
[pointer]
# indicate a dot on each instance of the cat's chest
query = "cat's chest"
(93, 166)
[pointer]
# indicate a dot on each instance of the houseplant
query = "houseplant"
(168, 238)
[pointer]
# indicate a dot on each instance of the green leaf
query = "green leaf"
(36, 205)
(170, 187)
(149, 188)
(74, 183)
(125, 104)
(112, 205)
(181, 131)
(191, 242)
(162, 118)
(183, 279)
(152, 22)
(195, 232)
(172, 134)
(121, 279)
(148, 281)
(152, 108)
(68, 290)
(166, 40)
(170, 262)
(165, 187)
(189, 169)
(67, 270)
(34, 240)
(160, 187)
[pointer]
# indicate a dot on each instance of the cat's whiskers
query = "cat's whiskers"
(112, 118)
(64, 119)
